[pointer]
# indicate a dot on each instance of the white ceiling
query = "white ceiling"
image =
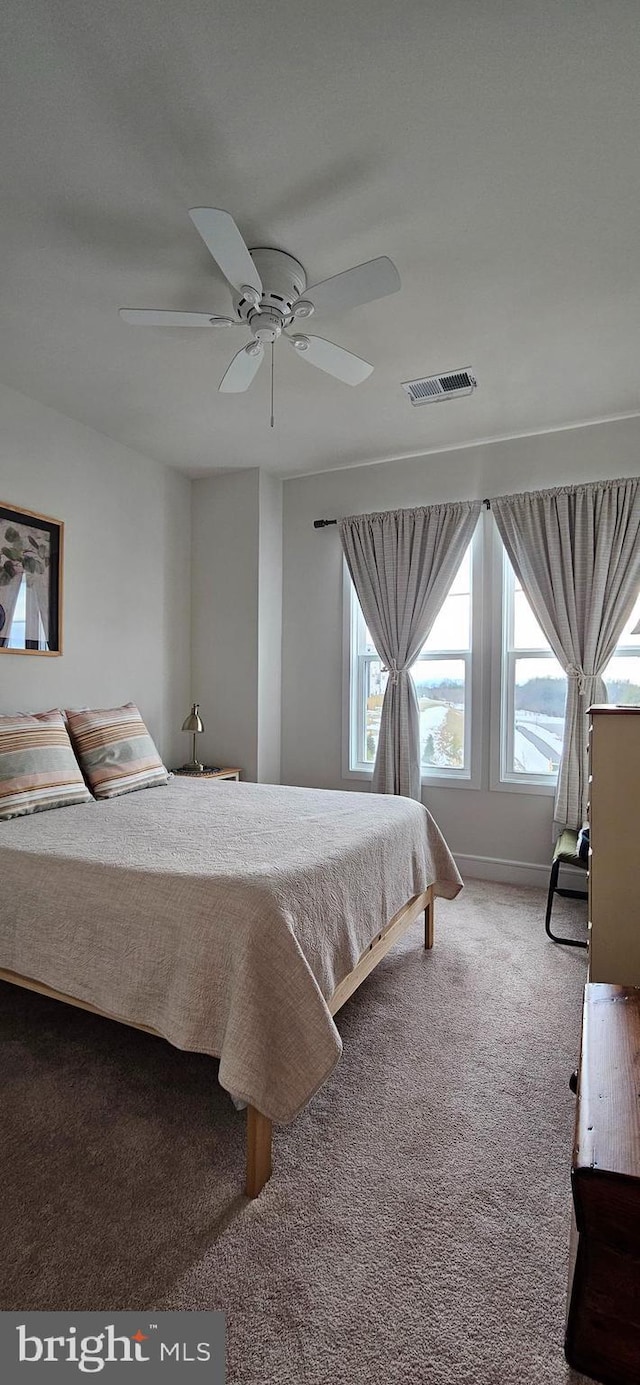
(490, 147)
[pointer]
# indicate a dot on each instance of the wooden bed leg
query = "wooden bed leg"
(428, 926)
(258, 1151)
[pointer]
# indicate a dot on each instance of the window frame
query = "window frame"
(353, 689)
(623, 651)
(503, 681)
(511, 656)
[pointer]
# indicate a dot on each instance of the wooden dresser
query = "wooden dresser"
(603, 1320)
(614, 864)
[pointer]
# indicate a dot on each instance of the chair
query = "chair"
(565, 854)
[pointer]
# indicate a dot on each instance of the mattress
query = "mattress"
(222, 915)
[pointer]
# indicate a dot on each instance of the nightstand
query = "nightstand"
(209, 772)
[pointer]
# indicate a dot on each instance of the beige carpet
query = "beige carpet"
(415, 1229)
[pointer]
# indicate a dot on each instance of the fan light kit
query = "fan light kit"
(270, 293)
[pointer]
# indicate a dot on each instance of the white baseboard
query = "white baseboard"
(513, 872)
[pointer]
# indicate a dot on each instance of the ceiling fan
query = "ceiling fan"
(270, 294)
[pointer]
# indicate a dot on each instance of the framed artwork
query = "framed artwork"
(30, 582)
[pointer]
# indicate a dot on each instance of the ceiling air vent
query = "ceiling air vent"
(433, 388)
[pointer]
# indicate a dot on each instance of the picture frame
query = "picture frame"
(31, 570)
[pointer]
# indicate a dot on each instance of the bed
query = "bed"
(230, 919)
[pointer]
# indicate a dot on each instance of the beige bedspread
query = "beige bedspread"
(222, 915)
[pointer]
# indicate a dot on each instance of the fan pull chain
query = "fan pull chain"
(272, 368)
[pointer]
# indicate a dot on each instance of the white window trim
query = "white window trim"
(501, 689)
(502, 711)
(469, 778)
(623, 651)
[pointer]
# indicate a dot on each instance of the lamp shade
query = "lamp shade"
(193, 722)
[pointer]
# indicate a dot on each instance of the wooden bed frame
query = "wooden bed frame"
(259, 1127)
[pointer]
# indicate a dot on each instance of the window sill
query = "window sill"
(530, 786)
(428, 781)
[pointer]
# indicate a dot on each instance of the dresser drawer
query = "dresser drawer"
(603, 1320)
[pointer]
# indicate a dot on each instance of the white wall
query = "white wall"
(237, 619)
(126, 571)
(478, 823)
(226, 511)
(269, 629)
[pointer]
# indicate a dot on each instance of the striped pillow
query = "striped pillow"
(38, 768)
(115, 750)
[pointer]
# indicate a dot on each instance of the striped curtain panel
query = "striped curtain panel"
(402, 564)
(576, 552)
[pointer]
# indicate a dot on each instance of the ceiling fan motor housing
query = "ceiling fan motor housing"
(284, 281)
(266, 325)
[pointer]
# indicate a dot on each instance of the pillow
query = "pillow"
(115, 750)
(38, 768)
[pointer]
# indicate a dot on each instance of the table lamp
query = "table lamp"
(193, 724)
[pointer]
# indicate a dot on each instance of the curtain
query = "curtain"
(576, 551)
(402, 564)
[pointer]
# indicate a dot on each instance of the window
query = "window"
(533, 694)
(534, 687)
(622, 674)
(442, 674)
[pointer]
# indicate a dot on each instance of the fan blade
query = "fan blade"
(240, 373)
(362, 284)
(149, 317)
(224, 241)
(352, 370)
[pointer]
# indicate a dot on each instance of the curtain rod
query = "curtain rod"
(324, 523)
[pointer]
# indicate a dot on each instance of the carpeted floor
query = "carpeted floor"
(415, 1228)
